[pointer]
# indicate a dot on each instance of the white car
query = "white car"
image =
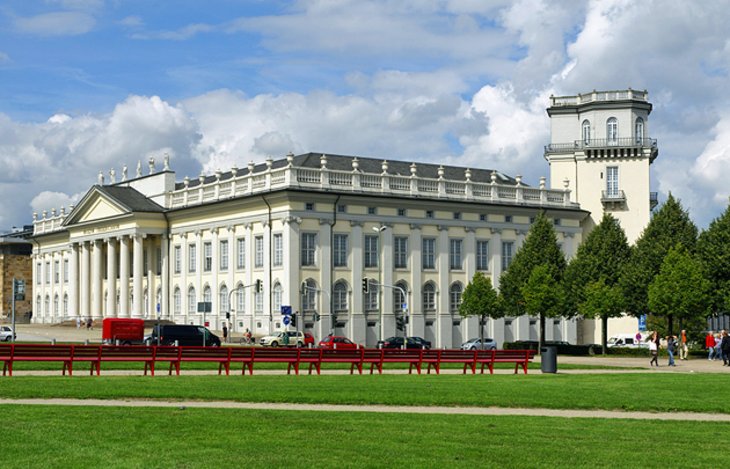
(296, 339)
(6, 334)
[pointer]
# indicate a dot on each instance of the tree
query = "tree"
(597, 266)
(539, 249)
(604, 301)
(543, 295)
(670, 226)
(480, 299)
(713, 253)
(680, 289)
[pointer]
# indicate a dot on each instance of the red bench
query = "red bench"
(373, 357)
(434, 358)
(521, 358)
(410, 356)
(243, 355)
(289, 356)
(220, 355)
(127, 353)
(36, 353)
(352, 356)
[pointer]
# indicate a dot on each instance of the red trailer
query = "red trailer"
(126, 331)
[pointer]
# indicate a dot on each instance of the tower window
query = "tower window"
(639, 130)
(612, 131)
(586, 132)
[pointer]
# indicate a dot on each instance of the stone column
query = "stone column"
(84, 285)
(124, 277)
(111, 278)
(96, 281)
(323, 327)
(73, 281)
(165, 276)
(416, 322)
(470, 325)
(151, 307)
(357, 328)
(443, 316)
(385, 264)
(137, 276)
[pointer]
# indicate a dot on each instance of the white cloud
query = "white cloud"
(131, 22)
(4, 57)
(61, 23)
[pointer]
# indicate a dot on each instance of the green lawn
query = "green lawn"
(68, 437)
(644, 391)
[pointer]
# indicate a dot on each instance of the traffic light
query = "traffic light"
(316, 316)
(294, 320)
(365, 285)
(400, 323)
(228, 315)
(259, 286)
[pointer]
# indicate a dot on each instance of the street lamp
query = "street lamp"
(379, 230)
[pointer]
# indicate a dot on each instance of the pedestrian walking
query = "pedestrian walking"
(654, 349)
(671, 348)
(225, 333)
(683, 348)
(89, 324)
(78, 322)
(710, 345)
(725, 347)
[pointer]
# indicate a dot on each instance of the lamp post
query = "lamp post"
(379, 230)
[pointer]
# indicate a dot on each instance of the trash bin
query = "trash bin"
(549, 359)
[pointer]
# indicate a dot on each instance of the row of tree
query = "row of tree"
(670, 274)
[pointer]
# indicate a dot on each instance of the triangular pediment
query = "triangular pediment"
(95, 206)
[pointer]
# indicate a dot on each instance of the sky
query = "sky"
(91, 85)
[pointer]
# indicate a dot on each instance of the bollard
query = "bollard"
(53, 341)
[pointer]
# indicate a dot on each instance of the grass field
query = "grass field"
(629, 391)
(68, 437)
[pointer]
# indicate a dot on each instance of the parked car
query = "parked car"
(337, 342)
(479, 344)
(6, 334)
(626, 340)
(397, 342)
(184, 334)
(308, 339)
(564, 348)
(295, 339)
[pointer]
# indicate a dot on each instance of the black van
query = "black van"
(184, 335)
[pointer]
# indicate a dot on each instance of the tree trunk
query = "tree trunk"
(604, 334)
(481, 331)
(670, 324)
(542, 333)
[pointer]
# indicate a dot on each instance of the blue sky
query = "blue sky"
(89, 85)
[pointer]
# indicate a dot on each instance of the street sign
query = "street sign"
(286, 310)
(19, 290)
(642, 322)
(286, 320)
(205, 306)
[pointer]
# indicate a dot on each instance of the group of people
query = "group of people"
(88, 322)
(674, 344)
(718, 347)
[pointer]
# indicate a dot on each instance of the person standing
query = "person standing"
(225, 333)
(725, 347)
(710, 345)
(671, 348)
(683, 348)
(78, 322)
(654, 349)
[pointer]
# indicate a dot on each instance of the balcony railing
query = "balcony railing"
(599, 96)
(596, 143)
(613, 197)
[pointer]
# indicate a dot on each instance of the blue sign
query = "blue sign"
(286, 320)
(642, 322)
(286, 311)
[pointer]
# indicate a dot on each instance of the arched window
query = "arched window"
(586, 132)
(612, 131)
(191, 300)
(65, 304)
(429, 297)
(177, 301)
(223, 299)
(240, 299)
(47, 305)
(309, 296)
(145, 303)
(207, 294)
(276, 298)
(56, 309)
(399, 299)
(38, 305)
(339, 296)
(639, 130)
(455, 296)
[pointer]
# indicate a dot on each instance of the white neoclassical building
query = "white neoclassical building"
(312, 229)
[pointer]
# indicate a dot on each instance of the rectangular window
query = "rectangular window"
(309, 248)
(192, 257)
(371, 299)
(159, 261)
(223, 254)
(612, 181)
(372, 211)
(56, 272)
(429, 253)
(259, 302)
(457, 215)
(207, 257)
(508, 218)
(65, 271)
(38, 279)
(309, 206)
(241, 253)
(258, 242)
(429, 213)
(278, 249)
(507, 253)
(48, 273)
(482, 217)
(482, 255)
(455, 254)
(340, 250)
(342, 208)
(400, 252)
(177, 259)
(371, 251)
(401, 212)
